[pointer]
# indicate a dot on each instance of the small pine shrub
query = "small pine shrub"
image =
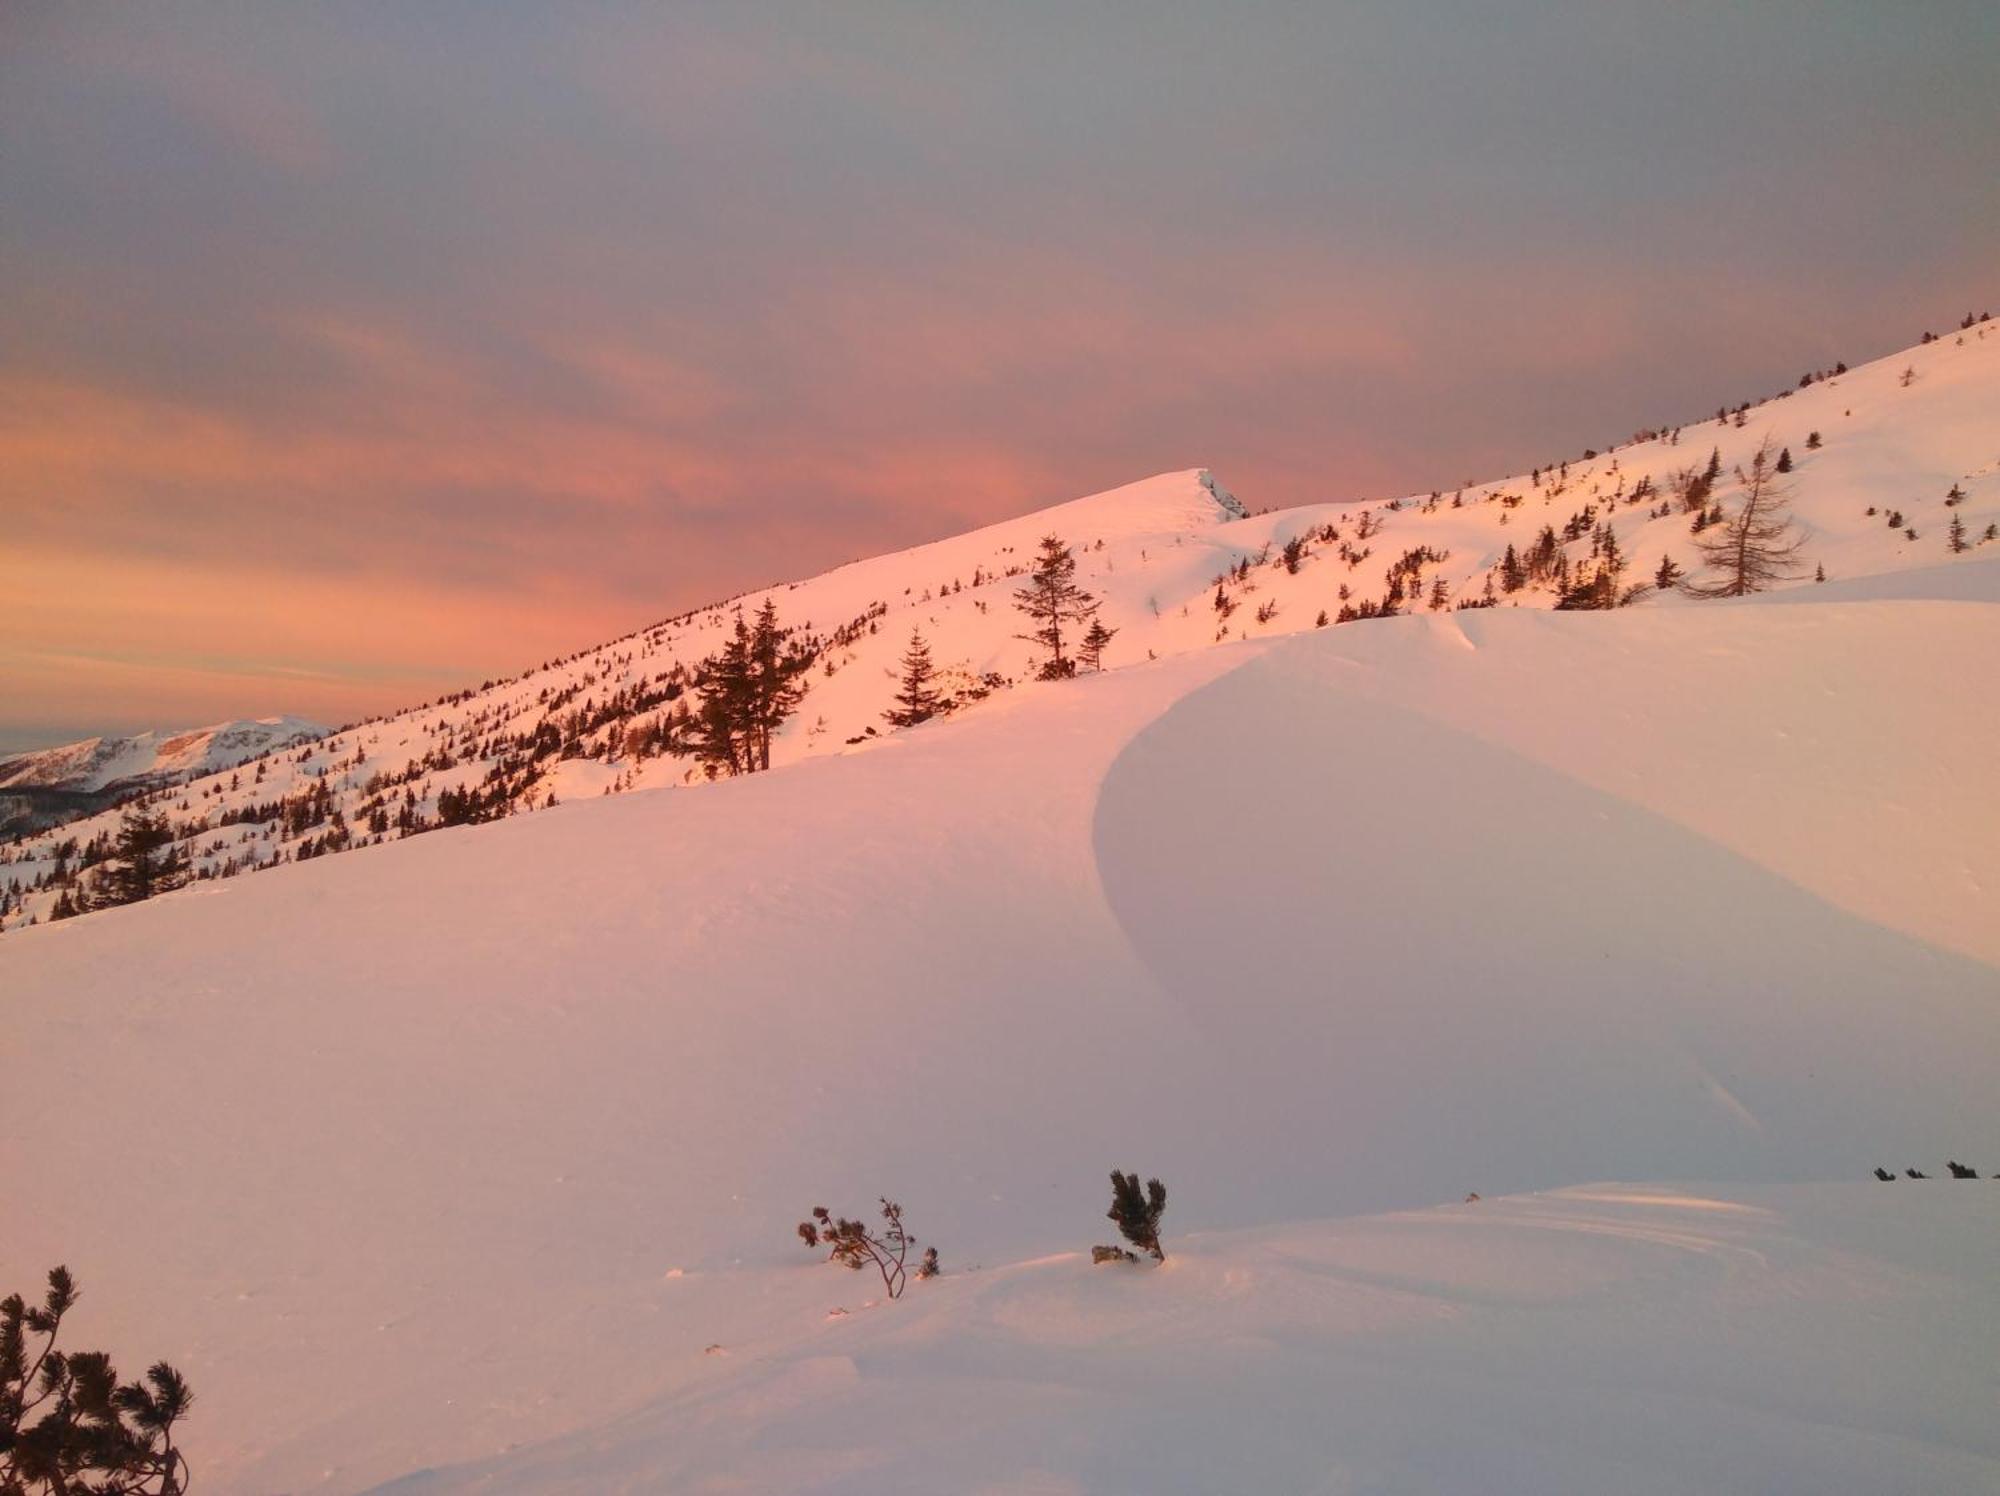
(1137, 1212)
(66, 1423)
(854, 1245)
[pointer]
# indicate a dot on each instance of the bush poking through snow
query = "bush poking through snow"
(1138, 1212)
(65, 1422)
(855, 1245)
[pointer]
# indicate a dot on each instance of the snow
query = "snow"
(456, 1155)
(1804, 1338)
(470, 1162)
(152, 757)
(1152, 551)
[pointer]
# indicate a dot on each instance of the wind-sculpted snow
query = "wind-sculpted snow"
(1883, 461)
(1645, 1342)
(1468, 969)
(465, 1143)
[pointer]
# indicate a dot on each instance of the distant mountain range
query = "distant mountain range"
(51, 785)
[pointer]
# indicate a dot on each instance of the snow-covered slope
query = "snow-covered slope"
(1911, 437)
(1610, 1339)
(54, 785)
(487, 1145)
(151, 758)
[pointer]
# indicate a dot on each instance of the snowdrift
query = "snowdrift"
(1804, 1339)
(455, 1146)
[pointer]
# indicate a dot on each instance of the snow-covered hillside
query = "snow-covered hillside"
(59, 781)
(102, 763)
(486, 1146)
(1884, 458)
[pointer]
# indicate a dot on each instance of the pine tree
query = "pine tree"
(1758, 543)
(1958, 541)
(66, 1423)
(1784, 460)
(746, 691)
(1598, 587)
(1138, 1213)
(144, 861)
(1544, 558)
(855, 1245)
(1668, 576)
(919, 700)
(1052, 598)
(1090, 654)
(778, 669)
(1513, 577)
(722, 692)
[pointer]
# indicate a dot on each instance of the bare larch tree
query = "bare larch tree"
(1756, 545)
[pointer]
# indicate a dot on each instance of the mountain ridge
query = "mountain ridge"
(1177, 563)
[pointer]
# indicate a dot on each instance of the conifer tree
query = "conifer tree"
(1090, 654)
(713, 732)
(67, 1425)
(1545, 556)
(1599, 587)
(1138, 1212)
(746, 691)
(144, 861)
(1052, 598)
(1669, 575)
(855, 1245)
(1758, 543)
(777, 679)
(1957, 539)
(919, 700)
(1513, 576)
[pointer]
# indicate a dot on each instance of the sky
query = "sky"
(352, 353)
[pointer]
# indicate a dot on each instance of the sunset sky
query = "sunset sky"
(351, 353)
